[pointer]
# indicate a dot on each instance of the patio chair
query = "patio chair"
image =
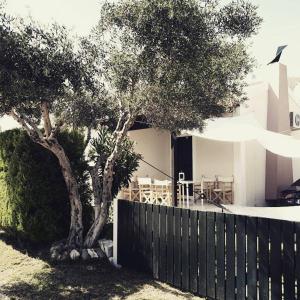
(206, 185)
(132, 193)
(145, 189)
(223, 193)
(226, 184)
(162, 192)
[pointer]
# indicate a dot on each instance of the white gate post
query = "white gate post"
(115, 234)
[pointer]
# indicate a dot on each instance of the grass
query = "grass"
(27, 276)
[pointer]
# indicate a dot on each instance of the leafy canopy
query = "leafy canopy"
(175, 62)
(39, 64)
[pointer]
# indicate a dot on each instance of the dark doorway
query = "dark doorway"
(183, 157)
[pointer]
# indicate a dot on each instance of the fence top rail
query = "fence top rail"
(221, 213)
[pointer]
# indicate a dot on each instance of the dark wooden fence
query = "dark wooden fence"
(214, 255)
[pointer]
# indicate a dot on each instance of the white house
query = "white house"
(258, 173)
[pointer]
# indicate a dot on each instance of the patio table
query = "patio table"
(185, 189)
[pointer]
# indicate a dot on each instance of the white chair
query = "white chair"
(145, 189)
(223, 192)
(206, 186)
(162, 192)
(132, 193)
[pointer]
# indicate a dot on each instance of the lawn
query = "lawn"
(27, 276)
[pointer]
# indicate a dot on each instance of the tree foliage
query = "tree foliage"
(176, 62)
(125, 165)
(33, 200)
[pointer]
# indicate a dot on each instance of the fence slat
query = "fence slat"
(211, 256)
(241, 257)
(156, 241)
(185, 250)
(297, 275)
(275, 259)
(230, 256)
(136, 234)
(177, 248)
(149, 237)
(130, 232)
(251, 229)
(162, 244)
(121, 232)
(194, 252)
(170, 245)
(202, 254)
(263, 258)
(142, 237)
(289, 260)
(220, 253)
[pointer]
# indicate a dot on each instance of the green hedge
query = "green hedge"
(33, 198)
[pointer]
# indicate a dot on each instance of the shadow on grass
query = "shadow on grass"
(24, 246)
(86, 281)
(74, 280)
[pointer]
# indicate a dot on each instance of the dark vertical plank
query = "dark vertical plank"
(251, 229)
(230, 256)
(170, 245)
(155, 241)
(241, 257)
(202, 254)
(275, 259)
(177, 247)
(185, 250)
(220, 256)
(127, 241)
(149, 237)
(263, 258)
(288, 259)
(194, 251)
(211, 256)
(297, 275)
(136, 234)
(121, 232)
(162, 244)
(130, 232)
(142, 236)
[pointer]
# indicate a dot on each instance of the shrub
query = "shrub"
(33, 197)
(126, 164)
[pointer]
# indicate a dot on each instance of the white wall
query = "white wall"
(255, 174)
(252, 188)
(294, 106)
(296, 161)
(155, 147)
(211, 158)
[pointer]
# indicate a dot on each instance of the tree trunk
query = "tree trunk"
(101, 216)
(75, 238)
(48, 141)
(106, 197)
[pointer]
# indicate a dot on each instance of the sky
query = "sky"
(281, 26)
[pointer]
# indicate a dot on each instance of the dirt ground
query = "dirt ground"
(26, 276)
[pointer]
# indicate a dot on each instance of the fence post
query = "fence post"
(115, 234)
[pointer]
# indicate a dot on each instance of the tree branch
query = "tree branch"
(27, 125)
(46, 118)
(56, 129)
(88, 137)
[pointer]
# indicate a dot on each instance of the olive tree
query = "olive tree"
(39, 69)
(175, 63)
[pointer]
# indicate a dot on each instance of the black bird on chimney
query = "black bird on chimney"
(278, 54)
